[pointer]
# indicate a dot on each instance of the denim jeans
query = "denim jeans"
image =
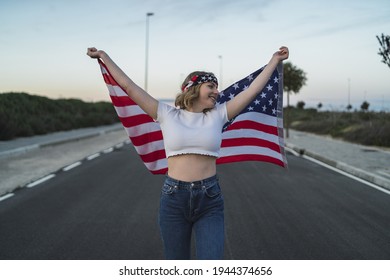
(192, 206)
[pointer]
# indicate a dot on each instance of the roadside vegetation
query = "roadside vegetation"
(22, 115)
(362, 127)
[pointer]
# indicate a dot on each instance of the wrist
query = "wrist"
(102, 54)
(274, 60)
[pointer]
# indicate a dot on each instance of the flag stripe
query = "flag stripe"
(236, 142)
(151, 157)
(147, 138)
(253, 125)
(247, 133)
(120, 101)
(250, 157)
(135, 120)
(126, 111)
(108, 78)
(142, 129)
(150, 147)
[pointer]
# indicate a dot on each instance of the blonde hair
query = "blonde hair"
(186, 98)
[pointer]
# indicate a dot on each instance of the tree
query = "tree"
(365, 106)
(293, 80)
(384, 51)
(301, 104)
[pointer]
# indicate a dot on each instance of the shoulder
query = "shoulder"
(221, 110)
(163, 110)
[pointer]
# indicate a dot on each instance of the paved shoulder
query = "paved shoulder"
(369, 163)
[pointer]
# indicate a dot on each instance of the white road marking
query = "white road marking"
(37, 182)
(348, 175)
(4, 197)
(69, 167)
(118, 146)
(109, 150)
(93, 156)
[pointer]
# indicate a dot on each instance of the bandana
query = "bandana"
(200, 79)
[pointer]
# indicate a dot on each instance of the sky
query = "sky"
(43, 45)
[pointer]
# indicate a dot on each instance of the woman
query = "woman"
(191, 198)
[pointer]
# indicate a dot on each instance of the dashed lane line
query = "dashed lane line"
(4, 197)
(109, 150)
(91, 157)
(67, 168)
(40, 181)
(73, 165)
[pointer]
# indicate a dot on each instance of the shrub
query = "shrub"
(22, 114)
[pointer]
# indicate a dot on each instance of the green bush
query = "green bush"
(368, 128)
(22, 114)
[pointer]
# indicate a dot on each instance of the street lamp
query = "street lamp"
(220, 71)
(147, 49)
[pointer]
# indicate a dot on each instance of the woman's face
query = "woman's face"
(208, 94)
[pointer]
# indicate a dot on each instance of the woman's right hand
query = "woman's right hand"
(94, 53)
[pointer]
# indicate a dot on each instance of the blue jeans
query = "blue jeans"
(187, 206)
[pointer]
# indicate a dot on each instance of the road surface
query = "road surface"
(106, 208)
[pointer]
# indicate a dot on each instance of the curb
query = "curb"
(58, 141)
(362, 174)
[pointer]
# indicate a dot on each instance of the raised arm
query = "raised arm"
(238, 103)
(137, 94)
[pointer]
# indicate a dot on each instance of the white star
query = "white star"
(250, 77)
(276, 80)
(273, 111)
(245, 87)
(276, 96)
(270, 102)
(236, 86)
(231, 96)
(263, 95)
(264, 108)
(269, 87)
(250, 108)
(221, 94)
(257, 102)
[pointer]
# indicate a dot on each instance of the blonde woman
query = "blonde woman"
(191, 198)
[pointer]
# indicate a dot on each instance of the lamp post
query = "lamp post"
(147, 49)
(220, 72)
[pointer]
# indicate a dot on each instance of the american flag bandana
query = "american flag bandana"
(200, 79)
(256, 134)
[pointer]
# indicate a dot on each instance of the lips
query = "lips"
(213, 98)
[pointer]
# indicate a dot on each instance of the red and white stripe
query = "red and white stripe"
(143, 131)
(252, 137)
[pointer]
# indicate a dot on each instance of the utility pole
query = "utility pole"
(147, 50)
(220, 72)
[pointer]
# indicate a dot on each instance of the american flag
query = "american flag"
(256, 134)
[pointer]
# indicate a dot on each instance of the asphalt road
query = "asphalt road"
(106, 208)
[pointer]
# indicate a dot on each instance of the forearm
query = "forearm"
(137, 94)
(261, 80)
(237, 104)
(117, 73)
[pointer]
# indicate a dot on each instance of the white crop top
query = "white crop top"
(185, 132)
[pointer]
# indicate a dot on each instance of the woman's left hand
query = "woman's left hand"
(282, 53)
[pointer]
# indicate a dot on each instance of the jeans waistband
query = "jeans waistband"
(195, 184)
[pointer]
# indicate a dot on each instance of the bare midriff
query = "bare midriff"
(191, 167)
